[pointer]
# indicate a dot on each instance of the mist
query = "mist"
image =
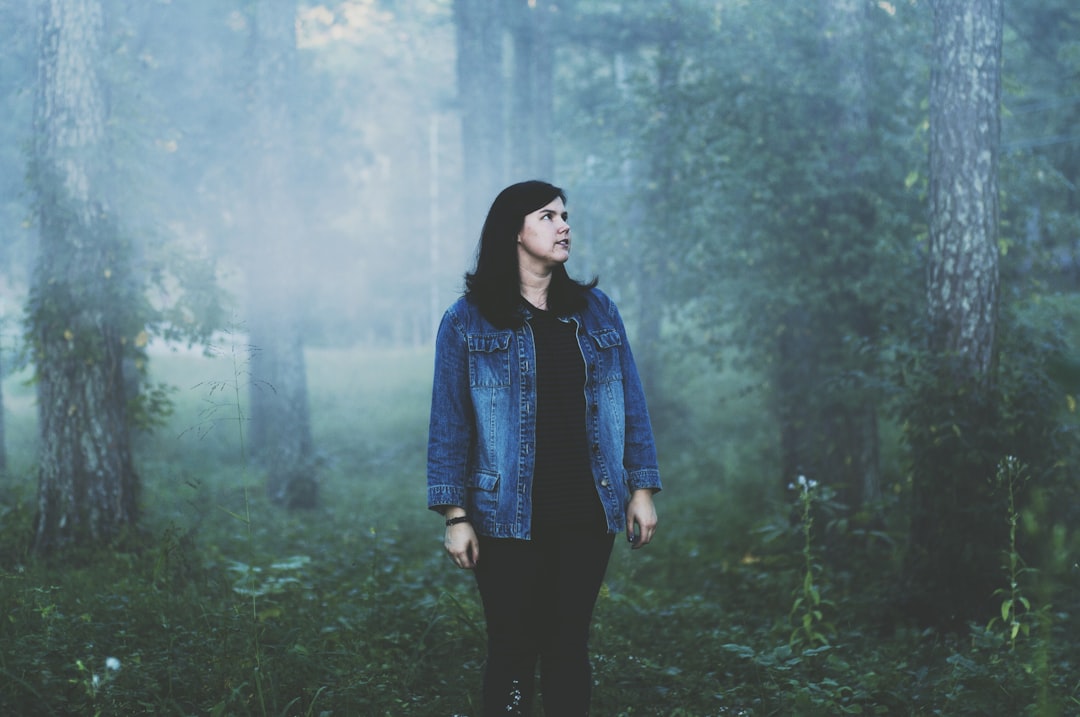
(230, 230)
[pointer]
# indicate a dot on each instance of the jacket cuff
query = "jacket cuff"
(645, 478)
(441, 495)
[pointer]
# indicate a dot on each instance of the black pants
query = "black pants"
(538, 600)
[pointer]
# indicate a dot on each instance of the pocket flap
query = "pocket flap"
(606, 338)
(484, 480)
(486, 343)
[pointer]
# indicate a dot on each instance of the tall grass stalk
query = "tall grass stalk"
(1015, 607)
(240, 358)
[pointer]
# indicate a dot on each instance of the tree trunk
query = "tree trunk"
(653, 259)
(79, 318)
(480, 95)
(795, 373)
(852, 429)
(965, 134)
(532, 111)
(956, 534)
(3, 439)
(280, 433)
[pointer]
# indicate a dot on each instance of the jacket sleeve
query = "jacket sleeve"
(451, 428)
(639, 453)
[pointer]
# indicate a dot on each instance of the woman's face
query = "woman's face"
(544, 239)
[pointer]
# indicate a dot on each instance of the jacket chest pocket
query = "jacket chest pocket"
(489, 359)
(607, 343)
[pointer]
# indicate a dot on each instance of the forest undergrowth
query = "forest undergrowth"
(751, 602)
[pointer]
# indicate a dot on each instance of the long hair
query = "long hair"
(495, 285)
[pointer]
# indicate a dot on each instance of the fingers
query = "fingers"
(640, 532)
(641, 519)
(462, 545)
(474, 552)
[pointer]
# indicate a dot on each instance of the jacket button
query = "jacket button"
(604, 483)
(595, 408)
(596, 448)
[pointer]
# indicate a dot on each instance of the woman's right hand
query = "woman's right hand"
(462, 545)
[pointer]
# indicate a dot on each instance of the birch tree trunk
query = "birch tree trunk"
(280, 433)
(80, 305)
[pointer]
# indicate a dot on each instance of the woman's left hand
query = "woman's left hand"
(640, 518)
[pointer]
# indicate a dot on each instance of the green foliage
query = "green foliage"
(1016, 610)
(716, 179)
(151, 407)
(106, 283)
(228, 605)
(958, 431)
(812, 629)
(764, 202)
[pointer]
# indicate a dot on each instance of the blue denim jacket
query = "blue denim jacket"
(483, 418)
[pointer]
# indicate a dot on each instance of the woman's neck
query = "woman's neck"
(534, 287)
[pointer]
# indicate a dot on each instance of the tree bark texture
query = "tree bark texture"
(965, 132)
(480, 95)
(956, 530)
(81, 294)
(280, 428)
(532, 111)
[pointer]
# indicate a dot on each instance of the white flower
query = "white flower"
(111, 663)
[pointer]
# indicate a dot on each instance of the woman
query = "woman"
(540, 449)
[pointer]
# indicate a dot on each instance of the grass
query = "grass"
(227, 605)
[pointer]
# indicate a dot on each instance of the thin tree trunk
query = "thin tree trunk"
(853, 433)
(280, 433)
(3, 438)
(79, 306)
(533, 105)
(653, 258)
(480, 95)
(795, 372)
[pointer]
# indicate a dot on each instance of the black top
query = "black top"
(563, 491)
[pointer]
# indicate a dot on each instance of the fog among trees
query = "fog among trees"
(845, 236)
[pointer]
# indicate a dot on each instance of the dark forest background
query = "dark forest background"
(845, 235)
